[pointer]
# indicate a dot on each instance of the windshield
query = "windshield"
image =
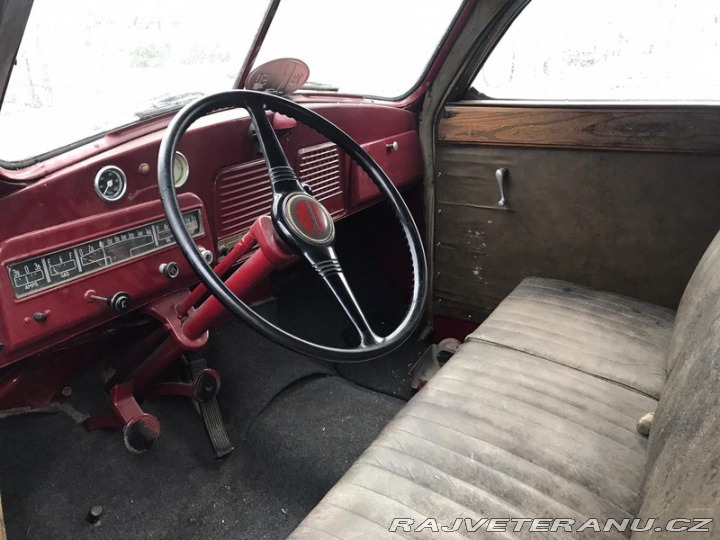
(87, 66)
(373, 48)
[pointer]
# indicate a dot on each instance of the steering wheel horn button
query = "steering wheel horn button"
(308, 219)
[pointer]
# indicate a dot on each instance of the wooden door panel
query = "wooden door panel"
(628, 221)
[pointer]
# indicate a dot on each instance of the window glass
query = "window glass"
(608, 50)
(87, 66)
(374, 47)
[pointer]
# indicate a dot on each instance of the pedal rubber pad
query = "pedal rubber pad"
(212, 419)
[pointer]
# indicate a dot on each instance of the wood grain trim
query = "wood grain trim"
(676, 129)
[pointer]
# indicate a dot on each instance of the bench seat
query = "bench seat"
(605, 334)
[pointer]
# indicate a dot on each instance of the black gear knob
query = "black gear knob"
(119, 302)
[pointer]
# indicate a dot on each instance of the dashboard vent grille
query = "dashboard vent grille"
(319, 167)
(243, 194)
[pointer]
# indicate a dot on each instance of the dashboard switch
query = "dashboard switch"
(170, 270)
(206, 254)
(118, 303)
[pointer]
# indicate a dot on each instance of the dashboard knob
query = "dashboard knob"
(118, 303)
(170, 270)
(207, 255)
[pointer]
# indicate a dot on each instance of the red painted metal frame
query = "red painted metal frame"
(69, 311)
(43, 207)
(415, 97)
(189, 331)
(62, 208)
(125, 410)
(131, 132)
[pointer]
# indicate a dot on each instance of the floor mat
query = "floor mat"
(389, 374)
(253, 370)
(53, 472)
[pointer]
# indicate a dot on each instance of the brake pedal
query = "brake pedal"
(206, 384)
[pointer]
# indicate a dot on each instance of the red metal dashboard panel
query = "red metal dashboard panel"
(62, 207)
(68, 312)
(398, 155)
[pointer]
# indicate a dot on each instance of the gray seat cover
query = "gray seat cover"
(683, 469)
(608, 335)
(500, 432)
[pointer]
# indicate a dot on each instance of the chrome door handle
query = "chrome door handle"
(501, 176)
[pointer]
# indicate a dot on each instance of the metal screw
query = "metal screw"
(66, 391)
(94, 514)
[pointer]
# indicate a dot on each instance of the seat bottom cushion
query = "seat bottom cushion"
(604, 334)
(496, 433)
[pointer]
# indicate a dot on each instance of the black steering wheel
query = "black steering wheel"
(301, 222)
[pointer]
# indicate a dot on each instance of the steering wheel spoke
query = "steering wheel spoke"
(282, 176)
(325, 262)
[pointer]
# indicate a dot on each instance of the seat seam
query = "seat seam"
(628, 488)
(589, 398)
(521, 316)
(556, 399)
(599, 296)
(575, 373)
(487, 467)
(414, 483)
(532, 463)
(305, 525)
(646, 323)
(527, 419)
(524, 324)
(536, 355)
(579, 486)
(349, 511)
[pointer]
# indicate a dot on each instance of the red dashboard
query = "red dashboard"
(53, 227)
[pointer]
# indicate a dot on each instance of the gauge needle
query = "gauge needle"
(109, 185)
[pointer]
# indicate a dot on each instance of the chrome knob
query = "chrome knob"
(207, 255)
(170, 270)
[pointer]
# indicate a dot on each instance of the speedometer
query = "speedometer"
(181, 170)
(110, 183)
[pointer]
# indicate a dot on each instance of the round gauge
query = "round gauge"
(181, 169)
(110, 183)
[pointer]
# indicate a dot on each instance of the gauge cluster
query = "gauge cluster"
(111, 182)
(39, 273)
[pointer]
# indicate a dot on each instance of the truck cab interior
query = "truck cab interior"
(421, 269)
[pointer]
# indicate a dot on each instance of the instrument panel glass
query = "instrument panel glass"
(181, 170)
(39, 273)
(110, 183)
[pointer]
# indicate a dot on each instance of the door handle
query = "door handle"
(501, 175)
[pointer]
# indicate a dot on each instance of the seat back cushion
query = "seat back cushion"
(683, 468)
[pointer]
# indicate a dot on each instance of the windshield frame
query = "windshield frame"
(42, 164)
(407, 98)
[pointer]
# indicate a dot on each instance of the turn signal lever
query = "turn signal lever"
(118, 303)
